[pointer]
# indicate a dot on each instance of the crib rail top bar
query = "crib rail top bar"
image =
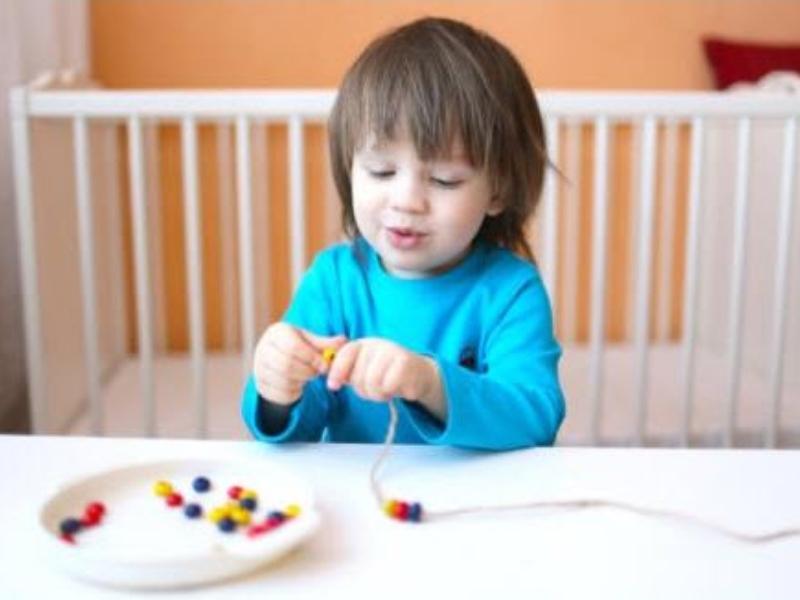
(677, 104)
(181, 103)
(316, 103)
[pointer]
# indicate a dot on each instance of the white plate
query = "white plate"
(143, 543)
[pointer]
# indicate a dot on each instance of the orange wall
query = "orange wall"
(308, 43)
(589, 44)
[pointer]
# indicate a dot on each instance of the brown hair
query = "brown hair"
(442, 78)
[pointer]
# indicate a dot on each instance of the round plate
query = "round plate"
(143, 543)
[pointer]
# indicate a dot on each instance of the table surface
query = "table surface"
(358, 552)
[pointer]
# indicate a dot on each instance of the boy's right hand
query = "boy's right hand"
(286, 358)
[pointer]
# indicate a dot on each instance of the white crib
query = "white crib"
(729, 376)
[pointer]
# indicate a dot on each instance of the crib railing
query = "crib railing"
(565, 113)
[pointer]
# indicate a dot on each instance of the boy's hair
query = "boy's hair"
(442, 78)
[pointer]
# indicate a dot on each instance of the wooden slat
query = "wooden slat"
(83, 196)
(194, 266)
(689, 319)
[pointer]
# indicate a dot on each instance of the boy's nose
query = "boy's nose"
(410, 197)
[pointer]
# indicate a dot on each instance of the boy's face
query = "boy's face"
(420, 217)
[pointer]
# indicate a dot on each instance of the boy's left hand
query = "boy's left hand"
(379, 370)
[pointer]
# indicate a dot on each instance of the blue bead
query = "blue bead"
(70, 526)
(227, 525)
(415, 512)
(277, 515)
(248, 503)
(201, 484)
(193, 511)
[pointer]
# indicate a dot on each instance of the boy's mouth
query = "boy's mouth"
(404, 238)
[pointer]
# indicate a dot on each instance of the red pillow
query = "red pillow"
(743, 61)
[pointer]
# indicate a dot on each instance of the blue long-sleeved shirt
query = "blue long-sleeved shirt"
(486, 322)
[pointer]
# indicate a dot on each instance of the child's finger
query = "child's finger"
(321, 342)
(326, 346)
(285, 365)
(342, 365)
(357, 379)
(373, 372)
(394, 382)
(294, 344)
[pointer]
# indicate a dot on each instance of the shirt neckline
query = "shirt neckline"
(469, 264)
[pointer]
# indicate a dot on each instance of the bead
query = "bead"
(201, 484)
(292, 511)
(94, 510)
(70, 525)
(174, 499)
(389, 507)
(217, 514)
(248, 504)
(275, 519)
(403, 511)
(240, 516)
(256, 530)
(67, 537)
(234, 491)
(162, 488)
(90, 521)
(400, 511)
(248, 494)
(227, 525)
(193, 510)
(328, 354)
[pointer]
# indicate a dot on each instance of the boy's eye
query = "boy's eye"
(446, 183)
(381, 173)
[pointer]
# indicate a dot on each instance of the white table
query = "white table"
(359, 553)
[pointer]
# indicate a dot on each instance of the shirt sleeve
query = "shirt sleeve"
(311, 309)
(307, 418)
(514, 399)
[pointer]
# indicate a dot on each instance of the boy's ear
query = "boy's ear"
(495, 206)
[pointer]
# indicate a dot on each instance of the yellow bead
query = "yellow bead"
(291, 511)
(248, 494)
(217, 514)
(162, 488)
(389, 507)
(328, 354)
(240, 516)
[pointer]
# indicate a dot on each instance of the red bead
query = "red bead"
(401, 510)
(94, 509)
(256, 530)
(88, 521)
(174, 499)
(67, 537)
(273, 522)
(235, 491)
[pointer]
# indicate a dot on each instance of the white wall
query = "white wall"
(35, 36)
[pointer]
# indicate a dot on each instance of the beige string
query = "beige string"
(430, 515)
